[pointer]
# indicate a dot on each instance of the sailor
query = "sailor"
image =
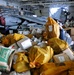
(67, 23)
(21, 12)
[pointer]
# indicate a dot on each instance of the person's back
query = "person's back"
(21, 12)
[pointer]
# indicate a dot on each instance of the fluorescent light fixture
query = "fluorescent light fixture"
(34, 15)
(23, 0)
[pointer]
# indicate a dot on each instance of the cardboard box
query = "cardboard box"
(13, 46)
(72, 31)
(68, 30)
(61, 58)
(72, 38)
(70, 53)
(24, 43)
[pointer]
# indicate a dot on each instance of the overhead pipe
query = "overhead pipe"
(40, 3)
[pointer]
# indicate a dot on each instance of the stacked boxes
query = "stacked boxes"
(72, 33)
